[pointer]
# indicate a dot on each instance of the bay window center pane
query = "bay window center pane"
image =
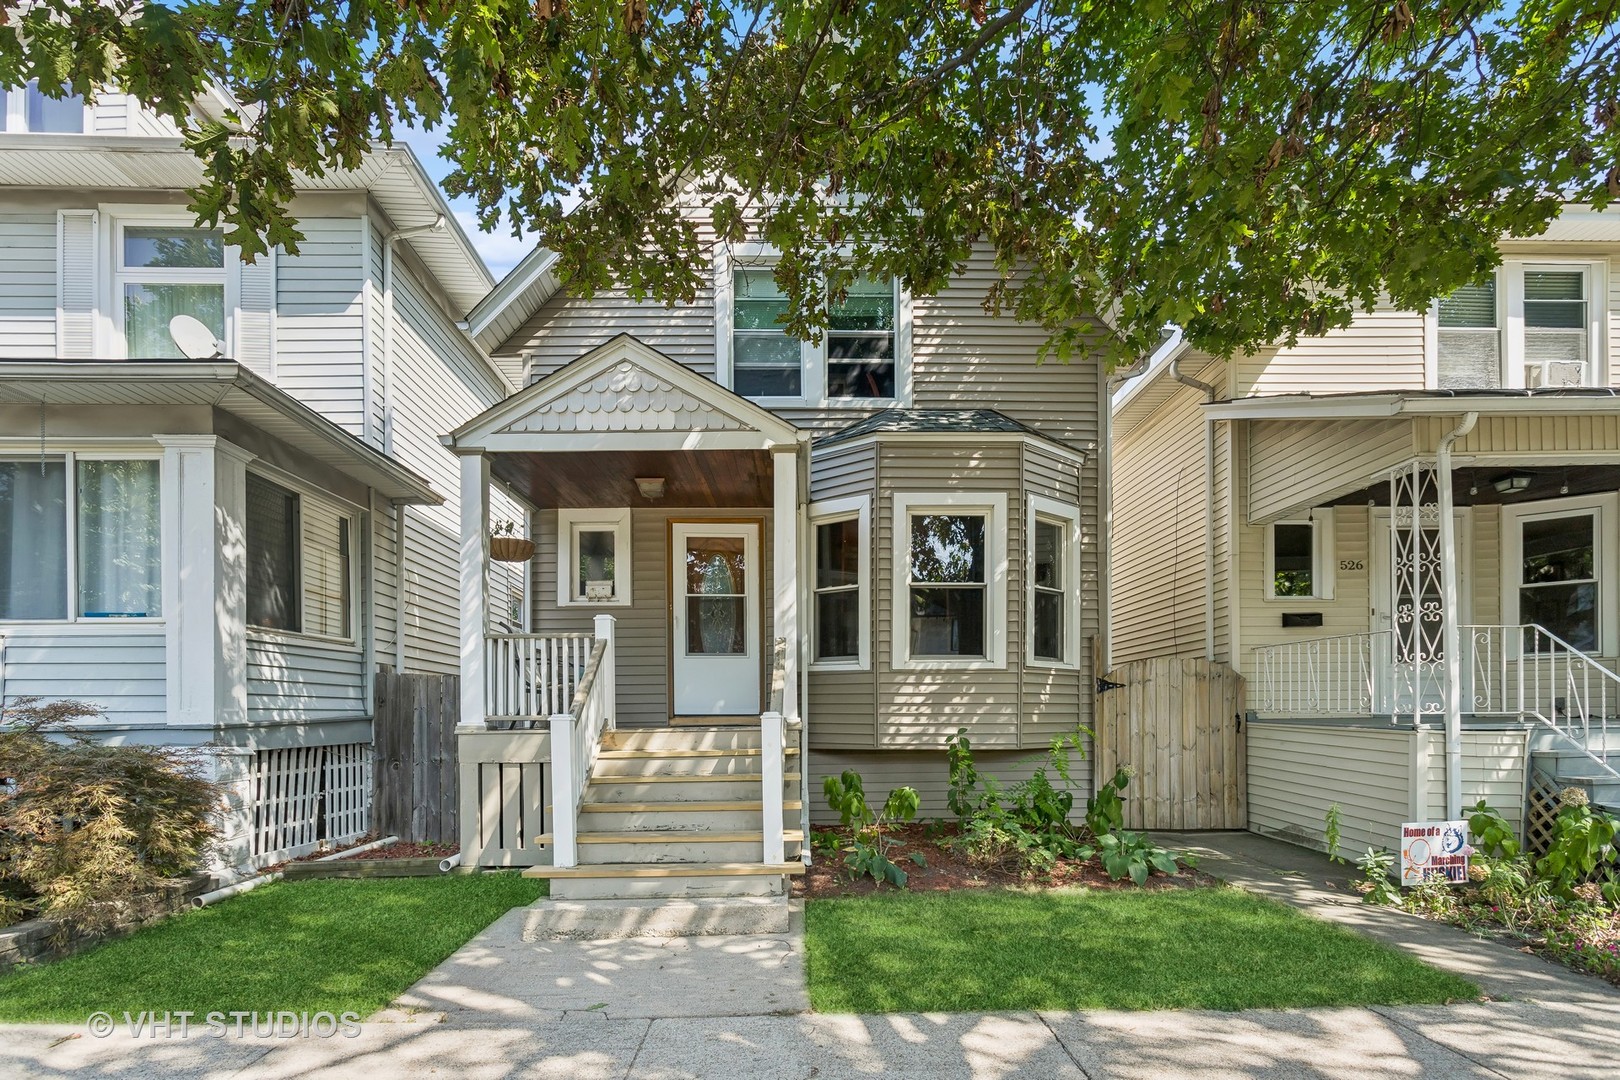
(947, 548)
(118, 507)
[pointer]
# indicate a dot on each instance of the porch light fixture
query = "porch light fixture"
(1512, 482)
(651, 487)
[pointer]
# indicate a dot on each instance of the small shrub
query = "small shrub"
(867, 849)
(1131, 854)
(88, 831)
(1105, 810)
(1493, 833)
(1376, 886)
(1332, 823)
(1582, 848)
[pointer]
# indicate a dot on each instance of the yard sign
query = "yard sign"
(1432, 850)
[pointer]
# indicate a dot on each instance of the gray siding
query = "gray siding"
(120, 671)
(28, 286)
(883, 771)
(319, 354)
(642, 629)
(299, 679)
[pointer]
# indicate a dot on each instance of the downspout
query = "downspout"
(1210, 394)
(400, 519)
(1450, 632)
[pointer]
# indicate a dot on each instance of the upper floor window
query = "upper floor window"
(26, 109)
(164, 271)
(861, 357)
(1531, 325)
(79, 538)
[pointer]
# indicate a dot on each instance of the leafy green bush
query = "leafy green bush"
(1377, 887)
(1494, 836)
(89, 831)
(867, 849)
(1582, 848)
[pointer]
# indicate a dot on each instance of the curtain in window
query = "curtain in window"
(149, 307)
(119, 552)
(33, 540)
(272, 556)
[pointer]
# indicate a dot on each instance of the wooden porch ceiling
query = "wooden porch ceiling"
(692, 478)
(1544, 484)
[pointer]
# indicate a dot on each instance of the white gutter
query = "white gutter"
(1450, 633)
(1210, 394)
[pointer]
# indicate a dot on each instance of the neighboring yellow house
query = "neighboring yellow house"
(1404, 535)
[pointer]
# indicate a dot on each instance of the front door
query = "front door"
(1408, 646)
(714, 647)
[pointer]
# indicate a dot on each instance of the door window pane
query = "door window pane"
(715, 626)
(716, 595)
(33, 540)
(837, 588)
(1048, 585)
(1470, 342)
(947, 554)
(1293, 560)
(766, 361)
(272, 556)
(593, 579)
(119, 552)
(1558, 572)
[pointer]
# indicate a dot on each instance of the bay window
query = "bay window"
(300, 575)
(163, 271)
(840, 614)
(950, 595)
(80, 538)
(1530, 325)
(1054, 582)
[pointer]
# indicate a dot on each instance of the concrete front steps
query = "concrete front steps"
(673, 814)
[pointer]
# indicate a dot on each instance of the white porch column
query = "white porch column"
(785, 575)
(204, 511)
(474, 600)
(1451, 634)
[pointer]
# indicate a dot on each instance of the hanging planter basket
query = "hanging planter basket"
(511, 548)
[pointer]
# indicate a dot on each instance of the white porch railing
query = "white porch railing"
(529, 677)
(1520, 671)
(576, 736)
(772, 754)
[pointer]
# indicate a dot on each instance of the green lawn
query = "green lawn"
(994, 951)
(329, 945)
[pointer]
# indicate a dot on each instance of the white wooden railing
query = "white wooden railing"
(773, 726)
(576, 736)
(1326, 676)
(529, 677)
(1529, 671)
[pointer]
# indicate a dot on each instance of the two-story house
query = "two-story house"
(760, 561)
(1404, 535)
(223, 502)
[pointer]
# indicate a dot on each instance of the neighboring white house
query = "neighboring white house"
(218, 538)
(1404, 535)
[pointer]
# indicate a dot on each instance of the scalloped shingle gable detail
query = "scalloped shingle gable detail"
(626, 397)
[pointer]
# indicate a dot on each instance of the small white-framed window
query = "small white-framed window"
(27, 109)
(300, 566)
(950, 591)
(1299, 558)
(1052, 625)
(862, 359)
(164, 268)
(593, 558)
(1532, 324)
(841, 584)
(1559, 569)
(81, 538)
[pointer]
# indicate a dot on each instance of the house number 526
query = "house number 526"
(1352, 564)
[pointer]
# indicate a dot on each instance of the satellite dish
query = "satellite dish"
(194, 338)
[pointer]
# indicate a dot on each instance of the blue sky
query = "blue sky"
(500, 251)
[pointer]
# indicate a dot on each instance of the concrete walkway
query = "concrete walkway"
(735, 1008)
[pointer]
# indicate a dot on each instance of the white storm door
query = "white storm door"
(714, 645)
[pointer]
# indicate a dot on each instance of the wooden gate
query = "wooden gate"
(1178, 723)
(414, 739)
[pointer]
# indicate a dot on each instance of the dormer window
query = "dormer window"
(1531, 325)
(27, 109)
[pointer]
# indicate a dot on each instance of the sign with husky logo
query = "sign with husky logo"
(1434, 851)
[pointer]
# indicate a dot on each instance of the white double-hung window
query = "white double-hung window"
(161, 271)
(1530, 325)
(841, 585)
(950, 589)
(80, 538)
(1053, 622)
(300, 567)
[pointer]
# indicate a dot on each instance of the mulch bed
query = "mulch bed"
(946, 869)
(407, 850)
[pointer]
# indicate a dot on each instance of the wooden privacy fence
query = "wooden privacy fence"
(414, 737)
(1178, 723)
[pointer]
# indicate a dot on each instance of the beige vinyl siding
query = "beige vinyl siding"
(1225, 539)
(1523, 435)
(318, 321)
(120, 670)
(1347, 613)
(1056, 700)
(841, 704)
(440, 382)
(1380, 350)
(1158, 534)
(1492, 769)
(926, 770)
(641, 630)
(28, 286)
(295, 678)
(567, 327)
(1298, 463)
(921, 708)
(1297, 771)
